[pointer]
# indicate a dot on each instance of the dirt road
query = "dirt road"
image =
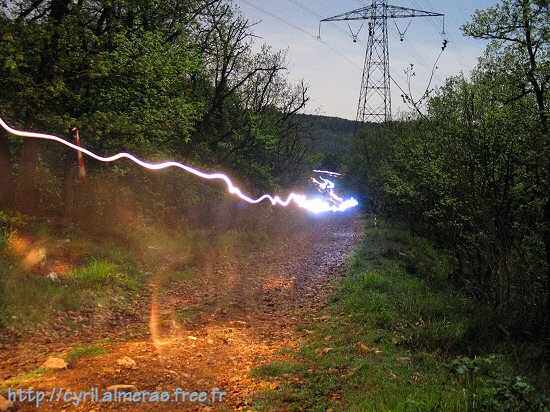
(206, 333)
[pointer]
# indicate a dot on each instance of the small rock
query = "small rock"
(404, 361)
(192, 337)
(54, 363)
(53, 277)
(126, 361)
(5, 405)
(122, 388)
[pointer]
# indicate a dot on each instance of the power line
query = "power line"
(422, 59)
(303, 31)
(320, 40)
(458, 56)
(375, 95)
(409, 45)
(314, 13)
(459, 52)
(460, 11)
(411, 48)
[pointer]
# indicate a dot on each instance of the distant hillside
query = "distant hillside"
(327, 135)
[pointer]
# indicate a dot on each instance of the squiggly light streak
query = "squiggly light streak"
(312, 205)
(327, 172)
(324, 185)
(327, 186)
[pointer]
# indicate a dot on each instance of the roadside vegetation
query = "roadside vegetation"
(470, 170)
(397, 336)
(178, 80)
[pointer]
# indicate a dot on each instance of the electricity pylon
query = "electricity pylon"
(374, 97)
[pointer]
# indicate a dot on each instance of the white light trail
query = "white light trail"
(312, 205)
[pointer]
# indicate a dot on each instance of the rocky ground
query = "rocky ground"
(209, 332)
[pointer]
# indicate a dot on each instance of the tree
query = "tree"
(520, 34)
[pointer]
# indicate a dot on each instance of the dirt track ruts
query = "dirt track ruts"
(212, 331)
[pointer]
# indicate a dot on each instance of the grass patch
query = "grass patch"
(96, 271)
(14, 382)
(399, 337)
(189, 312)
(27, 298)
(99, 272)
(277, 369)
(79, 352)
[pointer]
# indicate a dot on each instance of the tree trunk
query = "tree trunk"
(546, 325)
(27, 196)
(69, 177)
(6, 177)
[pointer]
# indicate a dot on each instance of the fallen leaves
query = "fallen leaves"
(324, 351)
(5, 405)
(362, 347)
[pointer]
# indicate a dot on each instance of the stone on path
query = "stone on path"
(5, 405)
(122, 388)
(126, 361)
(54, 363)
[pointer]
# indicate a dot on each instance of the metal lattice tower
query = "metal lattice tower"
(374, 97)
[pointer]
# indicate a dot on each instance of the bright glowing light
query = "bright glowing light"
(321, 206)
(327, 172)
(312, 205)
(338, 203)
(324, 185)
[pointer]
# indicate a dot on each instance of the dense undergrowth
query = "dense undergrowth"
(398, 336)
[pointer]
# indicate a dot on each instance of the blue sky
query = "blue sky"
(335, 80)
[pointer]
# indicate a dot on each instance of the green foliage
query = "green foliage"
(329, 136)
(178, 80)
(79, 352)
(398, 341)
(473, 173)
